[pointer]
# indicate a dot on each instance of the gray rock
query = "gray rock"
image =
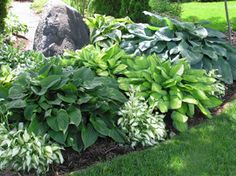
(60, 28)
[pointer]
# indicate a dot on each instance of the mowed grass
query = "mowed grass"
(213, 12)
(206, 150)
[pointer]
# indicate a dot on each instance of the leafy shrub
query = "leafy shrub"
(165, 7)
(72, 105)
(111, 29)
(176, 88)
(134, 9)
(23, 151)
(3, 14)
(202, 47)
(105, 62)
(138, 121)
(105, 7)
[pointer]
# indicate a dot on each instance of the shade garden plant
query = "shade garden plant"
(123, 86)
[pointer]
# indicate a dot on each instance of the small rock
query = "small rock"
(60, 28)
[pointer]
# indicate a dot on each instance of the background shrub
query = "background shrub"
(134, 9)
(165, 7)
(3, 14)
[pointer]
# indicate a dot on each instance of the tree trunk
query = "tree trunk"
(228, 21)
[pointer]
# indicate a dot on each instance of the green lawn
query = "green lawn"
(212, 11)
(206, 150)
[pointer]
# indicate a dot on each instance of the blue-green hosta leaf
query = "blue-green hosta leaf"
(192, 57)
(215, 33)
(232, 63)
(200, 32)
(224, 69)
(88, 135)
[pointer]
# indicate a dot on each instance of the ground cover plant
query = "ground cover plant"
(214, 12)
(172, 39)
(203, 150)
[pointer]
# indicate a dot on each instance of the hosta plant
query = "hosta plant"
(71, 104)
(140, 123)
(202, 47)
(172, 87)
(22, 151)
(106, 30)
(105, 62)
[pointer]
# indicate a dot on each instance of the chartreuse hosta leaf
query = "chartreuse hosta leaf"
(71, 104)
(172, 87)
(105, 62)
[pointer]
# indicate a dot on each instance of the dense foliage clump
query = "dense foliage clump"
(172, 40)
(23, 151)
(140, 123)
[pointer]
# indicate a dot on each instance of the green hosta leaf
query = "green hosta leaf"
(190, 99)
(67, 98)
(62, 120)
(177, 69)
(29, 111)
(120, 68)
(16, 104)
(163, 106)
(180, 126)
(16, 92)
(199, 94)
(75, 115)
(100, 126)
(88, 135)
(52, 123)
(191, 110)
(58, 136)
(116, 135)
(205, 111)
(50, 81)
(37, 127)
(175, 102)
(212, 102)
(177, 116)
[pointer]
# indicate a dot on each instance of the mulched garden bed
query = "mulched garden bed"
(106, 149)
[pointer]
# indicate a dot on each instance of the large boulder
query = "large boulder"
(60, 28)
